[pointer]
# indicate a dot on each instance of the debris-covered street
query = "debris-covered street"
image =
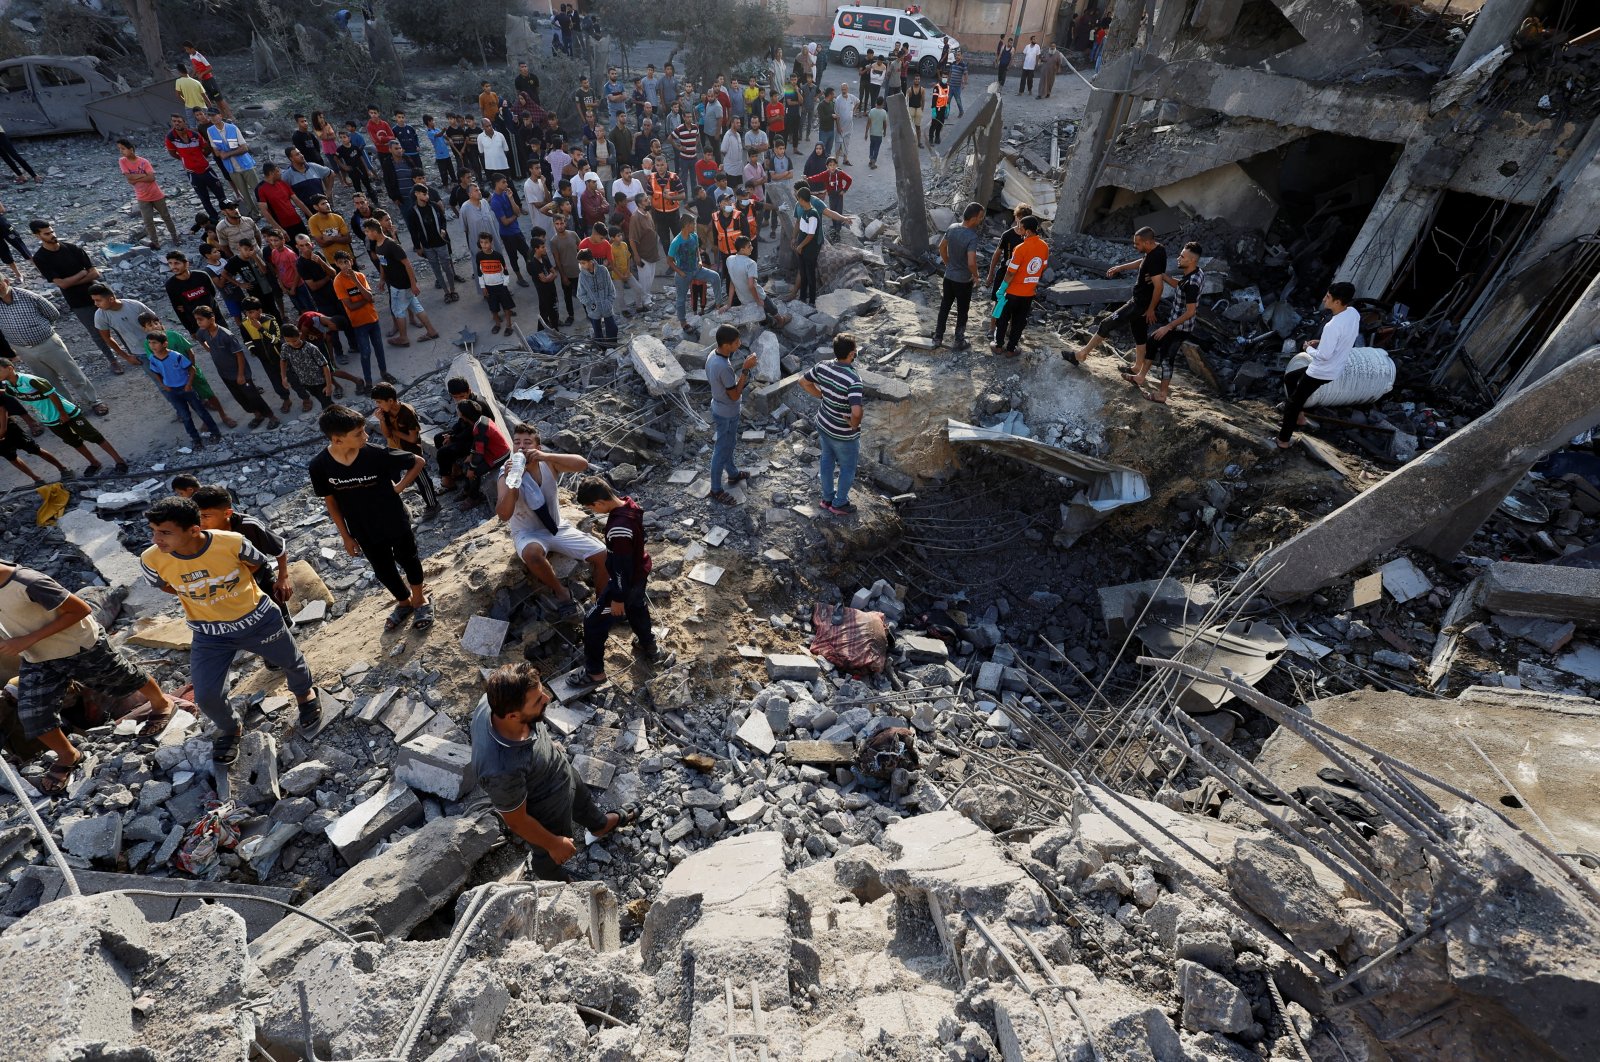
(1114, 712)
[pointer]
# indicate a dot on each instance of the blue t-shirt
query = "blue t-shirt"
(172, 370)
(441, 143)
(502, 206)
(685, 251)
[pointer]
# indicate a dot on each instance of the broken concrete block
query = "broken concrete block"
(1548, 635)
(357, 831)
(1267, 875)
(1546, 591)
(162, 634)
(97, 837)
(1404, 580)
(749, 811)
(923, 650)
(393, 892)
(950, 856)
(990, 675)
(76, 990)
(435, 766)
(1211, 1003)
(254, 776)
(660, 371)
(757, 733)
(842, 303)
(820, 753)
(769, 364)
(1085, 292)
(796, 666)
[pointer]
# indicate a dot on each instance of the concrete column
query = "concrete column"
(1457, 477)
(1080, 176)
(907, 155)
(1497, 20)
(1392, 227)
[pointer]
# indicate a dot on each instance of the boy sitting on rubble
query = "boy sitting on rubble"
(531, 508)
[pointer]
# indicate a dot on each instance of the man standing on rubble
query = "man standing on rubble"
(727, 391)
(1138, 312)
(1328, 356)
(837, 384)
(527, 776)
(959, 252)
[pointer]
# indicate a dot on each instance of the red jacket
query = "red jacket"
(831, 181)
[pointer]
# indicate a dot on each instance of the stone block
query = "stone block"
(302, 778)
(94, 837)
(796, 666)
(63, 981)
(434, 765)
(1211, 1003)
(769, 357)
(1544, 591)
(1085, 292)
(358, 830)
(1268, 876)
(923, 650)
(162, 634)
(842, 303)
(661, 372)
(756, 732)
(990, 675)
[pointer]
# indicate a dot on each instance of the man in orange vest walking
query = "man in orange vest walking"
(1023, 271)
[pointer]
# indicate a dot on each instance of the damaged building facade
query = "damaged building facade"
(1443, 160)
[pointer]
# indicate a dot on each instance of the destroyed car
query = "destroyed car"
(43, 95)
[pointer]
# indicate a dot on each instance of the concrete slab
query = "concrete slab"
(1086, 292)
(840, 304)
(1543, 591)
(1543, 742)
(100, 540)
(258, 917)
(434, 765)
(358, 831)
(950, 856)
(797, 666)
(661, 372)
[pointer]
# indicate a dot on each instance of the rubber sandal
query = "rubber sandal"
(53, 783)
(311, 717)
(627, 815)
(722, 497)
(398, 617)
(154, 725)
(565, 610)
(423, 619)
(100, 409)
(1148, 397)
(225, 749)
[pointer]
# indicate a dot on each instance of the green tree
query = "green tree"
(471, 31)
(708, 36)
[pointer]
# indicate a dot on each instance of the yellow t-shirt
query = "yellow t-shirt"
(193, 93)
(216, 586)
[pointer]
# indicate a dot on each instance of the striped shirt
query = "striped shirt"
(27, 319)
(841, 392)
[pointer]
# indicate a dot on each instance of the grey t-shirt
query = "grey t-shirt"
(741, 271)
(722, 375)
(959, 242)
(512, 773)
(123, 322)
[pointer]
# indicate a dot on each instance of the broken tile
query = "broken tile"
(312, 612)
(1404, 580)
(567, 718)
(683, 476)
(757, 733)
(484, 636)
(709, 574)
(716, 536)
(595, 772)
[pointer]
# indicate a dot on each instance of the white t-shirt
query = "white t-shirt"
(534, 192)
(577, 184)
(493, 148)
(1338, 338)
(1030, 57)
(629, 188)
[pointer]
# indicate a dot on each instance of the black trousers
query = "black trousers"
(450, 452)
(959, 293)
(1012, 319)
(598, 623)
(548, 313)
(390, 552)
(447, 171)
(1300, 388)
(516, 246)
(248, 395)
(562, 812)
(569, 287)
(1026, 85)
(808, 271)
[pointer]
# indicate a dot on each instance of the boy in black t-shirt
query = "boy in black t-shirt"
(361, 486)
(628, 568)
(399, 280)
(403, 431)
(1178, 310)
(1140, 311)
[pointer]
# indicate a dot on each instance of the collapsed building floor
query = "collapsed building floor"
(1016, 828)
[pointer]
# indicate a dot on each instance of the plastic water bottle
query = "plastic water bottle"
(519, 462)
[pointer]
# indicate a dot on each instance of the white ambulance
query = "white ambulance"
(856, 30)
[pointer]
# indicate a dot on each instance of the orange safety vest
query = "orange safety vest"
(941, 95)
(726, 235)
(659, 194)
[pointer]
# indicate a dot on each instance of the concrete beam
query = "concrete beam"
(905, 149)
(1082, 167)
(1367, 111)
(1452, 476)
(1577, 206)
(1496, 21)
(1403, 209)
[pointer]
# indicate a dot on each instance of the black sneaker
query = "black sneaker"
(225, 749)
(310, 720)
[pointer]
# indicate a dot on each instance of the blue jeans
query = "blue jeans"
(186, 404)
(955, 94)
(873, 144)
(211, 655)
(843, 454)
(827, 142)
(367, 338)
(683, 280)
(604, 327)
(722, 449)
